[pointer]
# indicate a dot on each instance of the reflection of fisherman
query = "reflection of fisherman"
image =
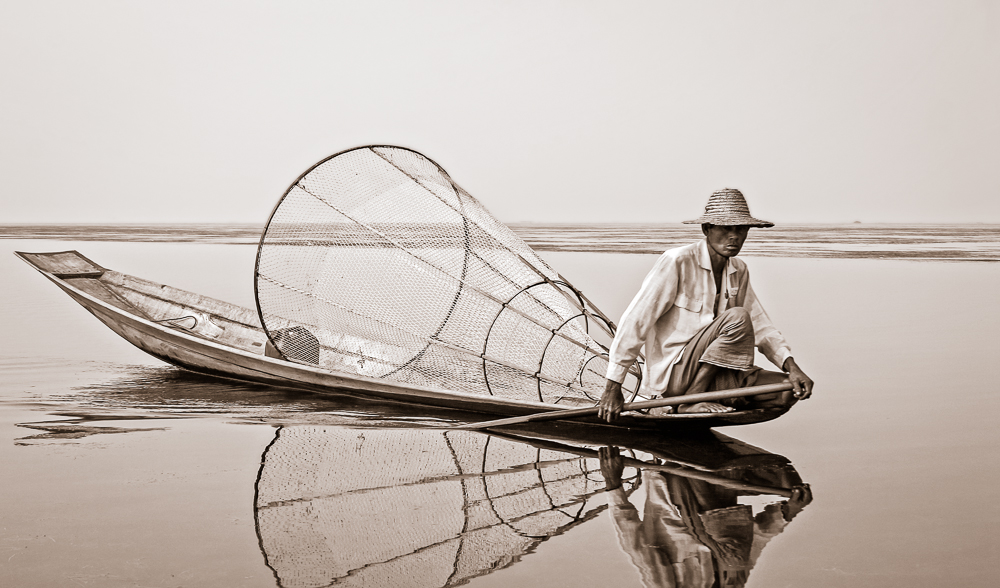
(699, 320)
(694, 534)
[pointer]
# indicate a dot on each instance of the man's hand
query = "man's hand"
(612, 466)
(801, 497)
(802, 384)
(611, 402)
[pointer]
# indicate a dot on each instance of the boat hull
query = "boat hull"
(141, 313)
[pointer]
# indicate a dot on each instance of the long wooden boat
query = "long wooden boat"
(218, 338)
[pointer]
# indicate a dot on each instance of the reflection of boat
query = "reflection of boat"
(421, 507)
(218, 338)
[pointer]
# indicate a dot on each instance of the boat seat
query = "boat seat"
(63, 264)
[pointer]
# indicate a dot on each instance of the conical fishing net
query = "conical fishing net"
(376, 263)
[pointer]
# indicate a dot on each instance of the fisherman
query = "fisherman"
(699, 320)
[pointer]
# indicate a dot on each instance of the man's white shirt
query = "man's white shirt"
(676, 300)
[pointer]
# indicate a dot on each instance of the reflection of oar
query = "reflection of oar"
(644, 465)
(558, 414)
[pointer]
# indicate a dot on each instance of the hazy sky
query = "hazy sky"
(545, 111)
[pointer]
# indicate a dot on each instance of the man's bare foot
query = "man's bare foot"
(703, 407)
(661, 410)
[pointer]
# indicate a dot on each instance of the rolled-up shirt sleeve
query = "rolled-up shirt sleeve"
(768, 339)
(655, 298)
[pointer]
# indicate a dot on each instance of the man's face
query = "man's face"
(726, 240)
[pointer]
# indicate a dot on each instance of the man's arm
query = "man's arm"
(775, 517)
(654, 298)
(767, 338)
(772, 344)
(645, 555)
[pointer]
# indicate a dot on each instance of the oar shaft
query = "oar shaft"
(558, 414)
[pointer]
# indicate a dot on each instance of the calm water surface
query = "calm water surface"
(121, 471)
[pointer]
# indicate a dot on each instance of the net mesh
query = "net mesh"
(376, 263)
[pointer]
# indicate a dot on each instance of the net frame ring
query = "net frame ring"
(583, 472)
(583, 367)
(277, 207)
(552, 331)
(588, 474)
(637, 376)
(607, 322)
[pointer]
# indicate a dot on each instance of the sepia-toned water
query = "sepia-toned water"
(119, 470)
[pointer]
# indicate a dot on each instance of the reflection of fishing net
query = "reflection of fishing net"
(376, 263)
(405, 507)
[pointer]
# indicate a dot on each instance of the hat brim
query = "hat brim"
(730, 221)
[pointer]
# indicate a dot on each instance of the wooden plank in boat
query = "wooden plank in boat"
(64, 264)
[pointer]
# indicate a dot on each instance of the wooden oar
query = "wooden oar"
(645, 465)
(558, 414)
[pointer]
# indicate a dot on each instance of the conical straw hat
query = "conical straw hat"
(728, 207)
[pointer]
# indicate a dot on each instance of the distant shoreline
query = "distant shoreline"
(926, 242)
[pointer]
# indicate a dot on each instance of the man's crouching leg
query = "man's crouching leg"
(721, 349)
